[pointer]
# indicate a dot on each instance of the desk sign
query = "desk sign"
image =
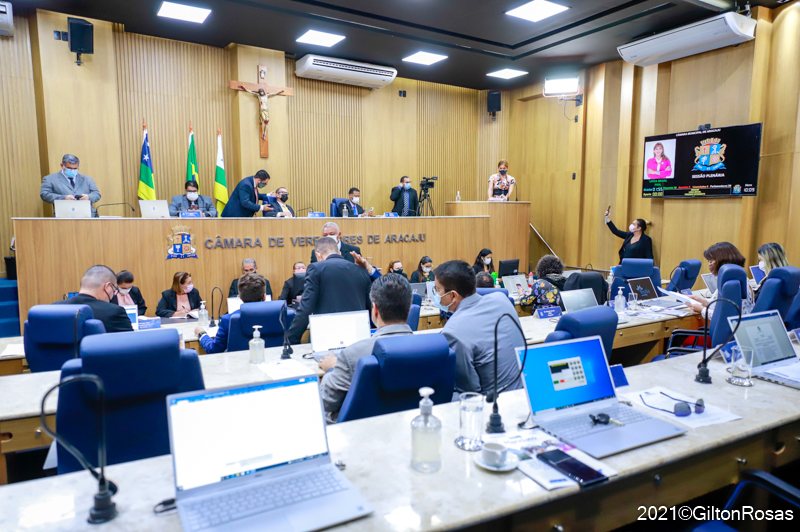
(191, 214)
(687, 292)
(316, 215)
(549, 312)
(390, 214)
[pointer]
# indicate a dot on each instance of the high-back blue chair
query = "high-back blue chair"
(485, 291)
(266, 314)
(684, 276)
(413, 317)
(416, 299)
(595, 321)
(389, 379)
(335, 202)
(778, 290)
(139, 370)
(634, 269)
(50, 334)
(792, 317)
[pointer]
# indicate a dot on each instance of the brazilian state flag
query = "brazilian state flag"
(191, 159)
(147, 189)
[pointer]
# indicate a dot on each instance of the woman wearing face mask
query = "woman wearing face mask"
(128, 294)
(770, 256)
(396, 266)
(637, 245)
(424, 271)
(719, 255)
(501, 185)
(483, 262)
(179, 300)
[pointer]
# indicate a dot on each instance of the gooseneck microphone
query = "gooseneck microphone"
(211, 322)
(703, 375)
(287, 347)
(311, 209)
(112, 204)
(495, 424)
(104, 508)
(75, 332)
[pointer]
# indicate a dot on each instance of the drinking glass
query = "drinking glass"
(741, 366)
(632, 297)
(471, 422)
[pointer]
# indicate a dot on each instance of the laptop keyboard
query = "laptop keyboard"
(237, 504)
(574, 427)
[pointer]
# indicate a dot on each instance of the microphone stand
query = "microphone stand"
(703, 375)
(75, 331)
(495, 424)
(212, 323)
(287, 348)
(111, 204)
(104, 508)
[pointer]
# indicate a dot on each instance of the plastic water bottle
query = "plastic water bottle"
(619, 301)
(530, 278)
(256, 346)
(202, 315)
(458, 195)
(426, 436)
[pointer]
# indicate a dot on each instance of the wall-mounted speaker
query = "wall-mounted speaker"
(493, 102)
(81, 36)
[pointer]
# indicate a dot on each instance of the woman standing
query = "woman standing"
(501, 185)
(483, 262)
(424, 272)
(637, 245)
(659, 167)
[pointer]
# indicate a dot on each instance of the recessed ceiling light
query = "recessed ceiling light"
(537, 10)
(320, 38)
(424, 58)
(182, 12)
(507, 73)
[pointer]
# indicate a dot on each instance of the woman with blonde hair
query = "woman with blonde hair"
(770, 256)
(501, 185)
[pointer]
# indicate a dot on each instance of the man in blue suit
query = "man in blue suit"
(243, 203)
(252, 289)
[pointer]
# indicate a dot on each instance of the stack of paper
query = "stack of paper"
(285, 369)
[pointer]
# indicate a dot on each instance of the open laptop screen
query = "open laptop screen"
(578, 299)
(765, 334)
(338, 330)
(643, 288)
(757, 273)
(560, 375)
(711, 281)
(254, 428)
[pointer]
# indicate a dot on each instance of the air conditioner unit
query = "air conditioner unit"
(6, 19)
(716, 32)
(344, 71)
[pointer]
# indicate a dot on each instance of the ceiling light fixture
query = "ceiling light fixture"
(182, 12)
(507, 73)
(424, 58)
(320, 38)
(537, 10)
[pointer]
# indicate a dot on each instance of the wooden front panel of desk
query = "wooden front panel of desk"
(508, 228)
(52, 254)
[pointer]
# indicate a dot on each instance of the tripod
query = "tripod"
(425, 204)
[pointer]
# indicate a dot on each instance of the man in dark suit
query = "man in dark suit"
(352, 206)
(98, 288)
(405, 198)
(248, 266)
(192, 201)
(279, 207)
(243, 203)
(290, 292)
(332, 230)
(332, 285)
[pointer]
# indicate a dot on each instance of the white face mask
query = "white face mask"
(355, 200)
(124, 290)
(762, 265)
(426, 269)
(192, 196)
(632, 228)
(188, 288)
(487, 260)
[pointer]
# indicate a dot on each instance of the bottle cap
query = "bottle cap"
(256, 333)
(426, 405)
(202, 304)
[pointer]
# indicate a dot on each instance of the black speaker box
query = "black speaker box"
(81, 36)
(493, 102)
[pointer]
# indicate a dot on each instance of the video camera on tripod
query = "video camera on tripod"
(427, 183)
(425, 205)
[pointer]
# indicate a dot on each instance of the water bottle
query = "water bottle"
(426, 436)
(530, 278)
(458, 195)
(202, 315)
(256, 346)
(619, 301)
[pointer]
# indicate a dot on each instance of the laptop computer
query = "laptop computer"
(154, 208)
(511, 282)
(508, 267)
(73, 209)
(757, 273)
(567, 382)
(578, 299)
(711, 281)
(332, 332)
(648, 296)
(268, 467)
(774, 358)
(421, 289)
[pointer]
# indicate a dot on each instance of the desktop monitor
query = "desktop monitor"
(508, 267)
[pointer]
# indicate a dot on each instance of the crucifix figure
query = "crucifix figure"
(262, 91)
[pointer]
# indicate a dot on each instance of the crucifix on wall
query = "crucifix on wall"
(262, 91)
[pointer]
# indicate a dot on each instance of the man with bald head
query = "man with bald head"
(332, 285)
(98, 288)
(343, 248)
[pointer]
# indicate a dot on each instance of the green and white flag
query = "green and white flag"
(220, 183)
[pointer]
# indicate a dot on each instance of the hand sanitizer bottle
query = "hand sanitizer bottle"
(202, 315)
(256, 346)
(345, 214)
(619, 301)
(426, 436)
(458, 195)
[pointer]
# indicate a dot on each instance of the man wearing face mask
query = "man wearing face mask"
(404, 198)
(352, 205)
(192, 201)
(98, 288)
(243, 202)
(279, 207)
(69, 184)
(332, 230)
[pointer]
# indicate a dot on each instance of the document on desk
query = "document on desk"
(651, 315)
(675, 312)
(656, 397)
(13, 350)
(285, 369)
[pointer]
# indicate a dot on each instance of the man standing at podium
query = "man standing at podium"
(405, 198)
(68, 184)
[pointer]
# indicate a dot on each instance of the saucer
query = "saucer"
(512, 461)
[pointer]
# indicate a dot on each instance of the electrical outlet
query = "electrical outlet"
(57, 35)
(573, 176)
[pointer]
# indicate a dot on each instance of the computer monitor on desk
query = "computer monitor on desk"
(508, 267)
(73, 209)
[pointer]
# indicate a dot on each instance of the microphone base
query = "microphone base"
(212, 323)
(287, 352)
(495, 424)
(703, 375)
(104, 509)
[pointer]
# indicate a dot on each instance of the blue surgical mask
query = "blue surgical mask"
(71, 172)
(437, 301)
(407, 186)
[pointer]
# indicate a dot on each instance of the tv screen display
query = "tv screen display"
(713, 163)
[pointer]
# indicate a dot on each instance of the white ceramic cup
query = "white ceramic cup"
(494, 454)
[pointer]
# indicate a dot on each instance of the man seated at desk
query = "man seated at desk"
(252, 288)
(248, 266)
(332, 230)
(192, 201)
(279, 207)
(98, 288)
(68, 184)
(352, 206)
(293, 287)
(391, 302)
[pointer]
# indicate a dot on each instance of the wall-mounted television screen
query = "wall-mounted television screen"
(713, 163)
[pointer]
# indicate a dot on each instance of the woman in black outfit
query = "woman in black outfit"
(483, 262)
(637, 245)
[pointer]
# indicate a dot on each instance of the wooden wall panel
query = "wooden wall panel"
(493, 138)
(170, 83)
(20, 179)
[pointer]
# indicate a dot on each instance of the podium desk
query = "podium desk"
(507, 231)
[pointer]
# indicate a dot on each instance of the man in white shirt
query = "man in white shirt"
(279, 207)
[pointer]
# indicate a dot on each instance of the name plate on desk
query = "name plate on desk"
(687, 292)
(390, 214)
(549, 312)
(149, 323)
(191, 214)
(316, 215)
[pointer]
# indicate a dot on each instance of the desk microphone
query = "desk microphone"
(212, 323)
(703, 375)
(111, 204)
(75, 331)
(495, 424)
(287, 348)
(310, 209)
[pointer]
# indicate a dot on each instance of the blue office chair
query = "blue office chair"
(760, 479)
(593, 280)
(139, 370)
(389, 379)
(50, 334)
(684, 276)
(485, 291)
(266, 314)
(634, 269)
(778, 290)
(595, 321)
(793, 314)
(416, 299)
(413, 317)
(335, 202)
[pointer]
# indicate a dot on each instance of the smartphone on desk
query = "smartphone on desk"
(572, 467)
